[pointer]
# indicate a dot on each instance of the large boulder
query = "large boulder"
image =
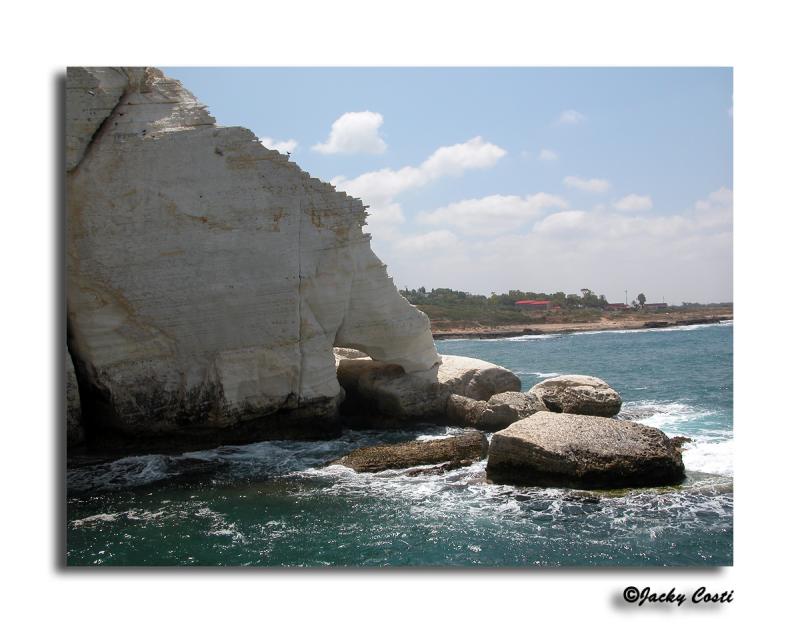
(387, 389)
(495, 414)
(456, 450)
(580, 451)
(585, 395)
(209, 277)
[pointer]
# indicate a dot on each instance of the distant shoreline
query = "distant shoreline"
(656, 322)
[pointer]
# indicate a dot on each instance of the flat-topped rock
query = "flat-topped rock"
(456, 450)
(572, 393)
(580, 451)
(387, 389)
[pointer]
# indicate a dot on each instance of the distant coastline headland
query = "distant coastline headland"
(459, 314)
(645, 321)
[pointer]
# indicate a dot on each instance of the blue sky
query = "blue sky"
(545, 179)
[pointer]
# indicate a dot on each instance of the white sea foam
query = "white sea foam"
(261, 459)
(662, 414)
(709, 452)
(676, 328)
(528, 337)
(709, 456)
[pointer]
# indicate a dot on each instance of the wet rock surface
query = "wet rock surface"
(453, 452)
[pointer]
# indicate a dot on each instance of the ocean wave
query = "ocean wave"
(659, 414)
(709, 456)
(261, 459)
(539, 374)
(711, 450)
(675, 328)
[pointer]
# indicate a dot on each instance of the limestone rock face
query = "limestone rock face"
(584, 395)
(501, 410)
(580, 451)
(208, 277)
(457, 450)
(388, 389)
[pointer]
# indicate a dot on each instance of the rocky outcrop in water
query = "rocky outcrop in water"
(209, 277)
(495, 414)
(454, 451)
(386, 389)
(580, 451)
(585, 395)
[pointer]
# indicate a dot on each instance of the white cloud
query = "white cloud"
(634, 202)
(684, 256)
(354, 133)
(571, 117)
(284, 147)
(492, 215)
(561, 222)
(426, 242)
(592, 185)
(722, 197)
(454, 160)
(379, 188)
(548, 154)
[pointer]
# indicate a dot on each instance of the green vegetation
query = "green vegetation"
(457, 308)
(449, 297)
(448, 308)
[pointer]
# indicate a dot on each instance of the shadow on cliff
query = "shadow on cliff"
(59, 416)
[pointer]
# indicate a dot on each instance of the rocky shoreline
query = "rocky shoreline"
(557, 328)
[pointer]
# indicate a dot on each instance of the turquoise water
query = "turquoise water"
(275, 503)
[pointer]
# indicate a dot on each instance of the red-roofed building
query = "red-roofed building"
(533, 304)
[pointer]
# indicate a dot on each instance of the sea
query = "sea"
(278, 504)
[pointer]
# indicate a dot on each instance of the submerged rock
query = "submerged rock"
(495, 414)
(208, 277)
(579, 451)
(585, 395)
(454, 451)
(389, 390)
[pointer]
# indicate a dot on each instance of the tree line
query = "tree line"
(448, 296)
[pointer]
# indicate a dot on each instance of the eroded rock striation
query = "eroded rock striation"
(454, 451)
(208, 277)
(581, 451)
(584, 395)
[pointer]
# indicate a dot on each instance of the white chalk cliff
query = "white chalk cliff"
(208, 277)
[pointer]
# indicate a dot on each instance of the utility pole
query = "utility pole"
(626, 297)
